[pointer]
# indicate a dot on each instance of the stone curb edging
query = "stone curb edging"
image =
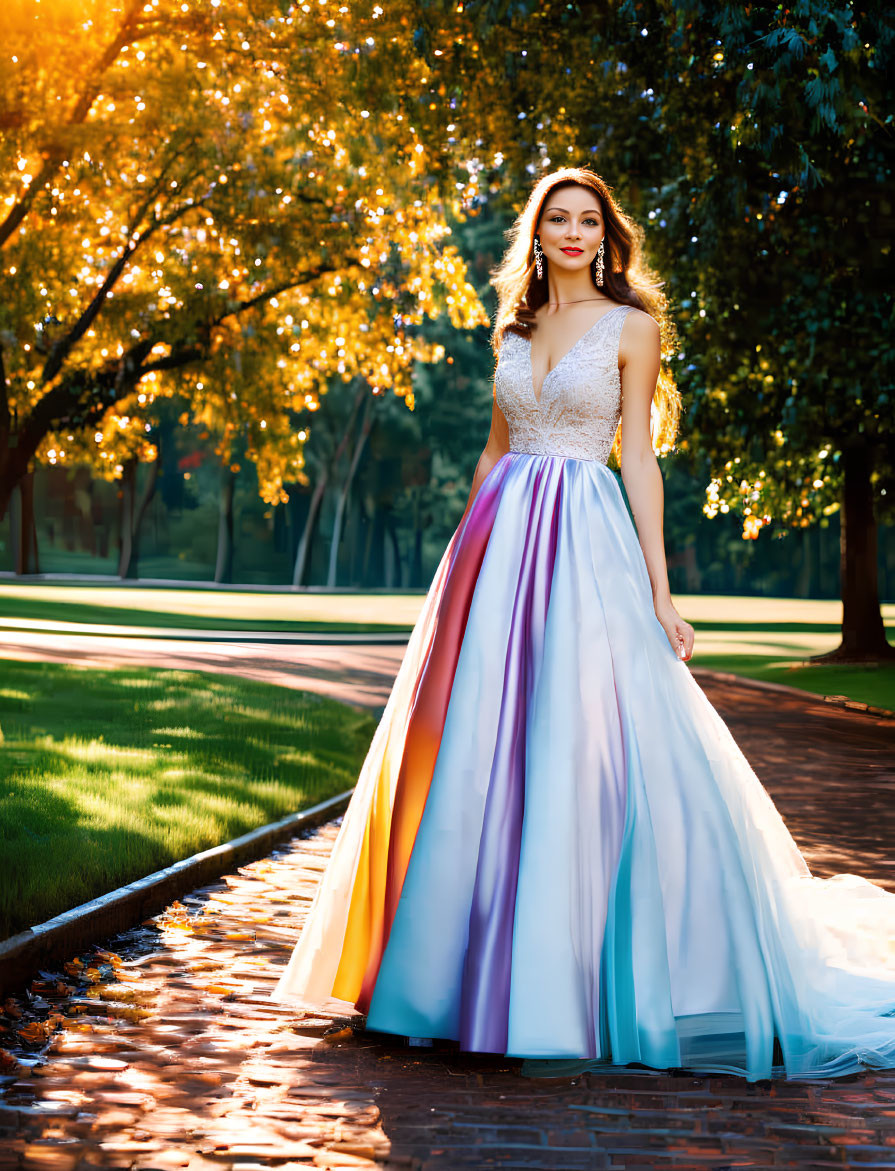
(856, 705)
(64, 936)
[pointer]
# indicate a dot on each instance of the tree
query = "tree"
(770, 130)
(184, 183)
(755, 144)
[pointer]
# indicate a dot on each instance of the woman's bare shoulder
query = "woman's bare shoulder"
(641, 334)
(645, 322)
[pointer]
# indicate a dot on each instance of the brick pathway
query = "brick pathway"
(164, 1052)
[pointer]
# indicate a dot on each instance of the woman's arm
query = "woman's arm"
(498, 444)
(639, 358)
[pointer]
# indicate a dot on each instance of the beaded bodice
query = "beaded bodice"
(580, 401)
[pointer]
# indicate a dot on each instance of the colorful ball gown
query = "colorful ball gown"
(555, 849)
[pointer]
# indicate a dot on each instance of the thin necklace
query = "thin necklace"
(581, 302)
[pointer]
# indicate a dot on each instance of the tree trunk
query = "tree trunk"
(393, 563)
(133, 513)
(19, 440)
(416, 561)
(374, 562)
(146, 498)
(353, 528)
(346, 489)
(331, 573)
(13, 468)
(692, 574)
(23, 526)
(368, 527)
(223, 570)
(302, 555)
(416, 569)
(863, 633)
(126, 518)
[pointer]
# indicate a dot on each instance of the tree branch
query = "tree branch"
(91, 394)
(195, 353)
(64, 346)
(304, 279)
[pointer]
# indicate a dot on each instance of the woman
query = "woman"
(555, 849)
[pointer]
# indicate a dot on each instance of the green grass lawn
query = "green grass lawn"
(108, 775)
(873, 685)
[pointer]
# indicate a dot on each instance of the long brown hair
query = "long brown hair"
(627, 279)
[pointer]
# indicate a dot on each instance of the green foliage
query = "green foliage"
(755, 144)
(776, 232)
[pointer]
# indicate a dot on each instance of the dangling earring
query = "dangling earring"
(598, 264)
(539, 257)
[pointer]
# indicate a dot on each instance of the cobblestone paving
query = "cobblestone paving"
(164, 1051)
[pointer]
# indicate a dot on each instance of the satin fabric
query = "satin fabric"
(557, 851)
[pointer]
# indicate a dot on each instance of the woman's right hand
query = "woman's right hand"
(680, 633)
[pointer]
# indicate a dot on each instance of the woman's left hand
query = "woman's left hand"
(680, 633)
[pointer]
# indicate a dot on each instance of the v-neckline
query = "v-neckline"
(571, 349)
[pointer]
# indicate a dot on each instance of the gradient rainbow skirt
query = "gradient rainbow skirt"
(556, 850)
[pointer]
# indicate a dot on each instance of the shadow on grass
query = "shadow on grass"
(39, 609)
(107, 775)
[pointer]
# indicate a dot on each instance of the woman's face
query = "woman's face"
(571, 227)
